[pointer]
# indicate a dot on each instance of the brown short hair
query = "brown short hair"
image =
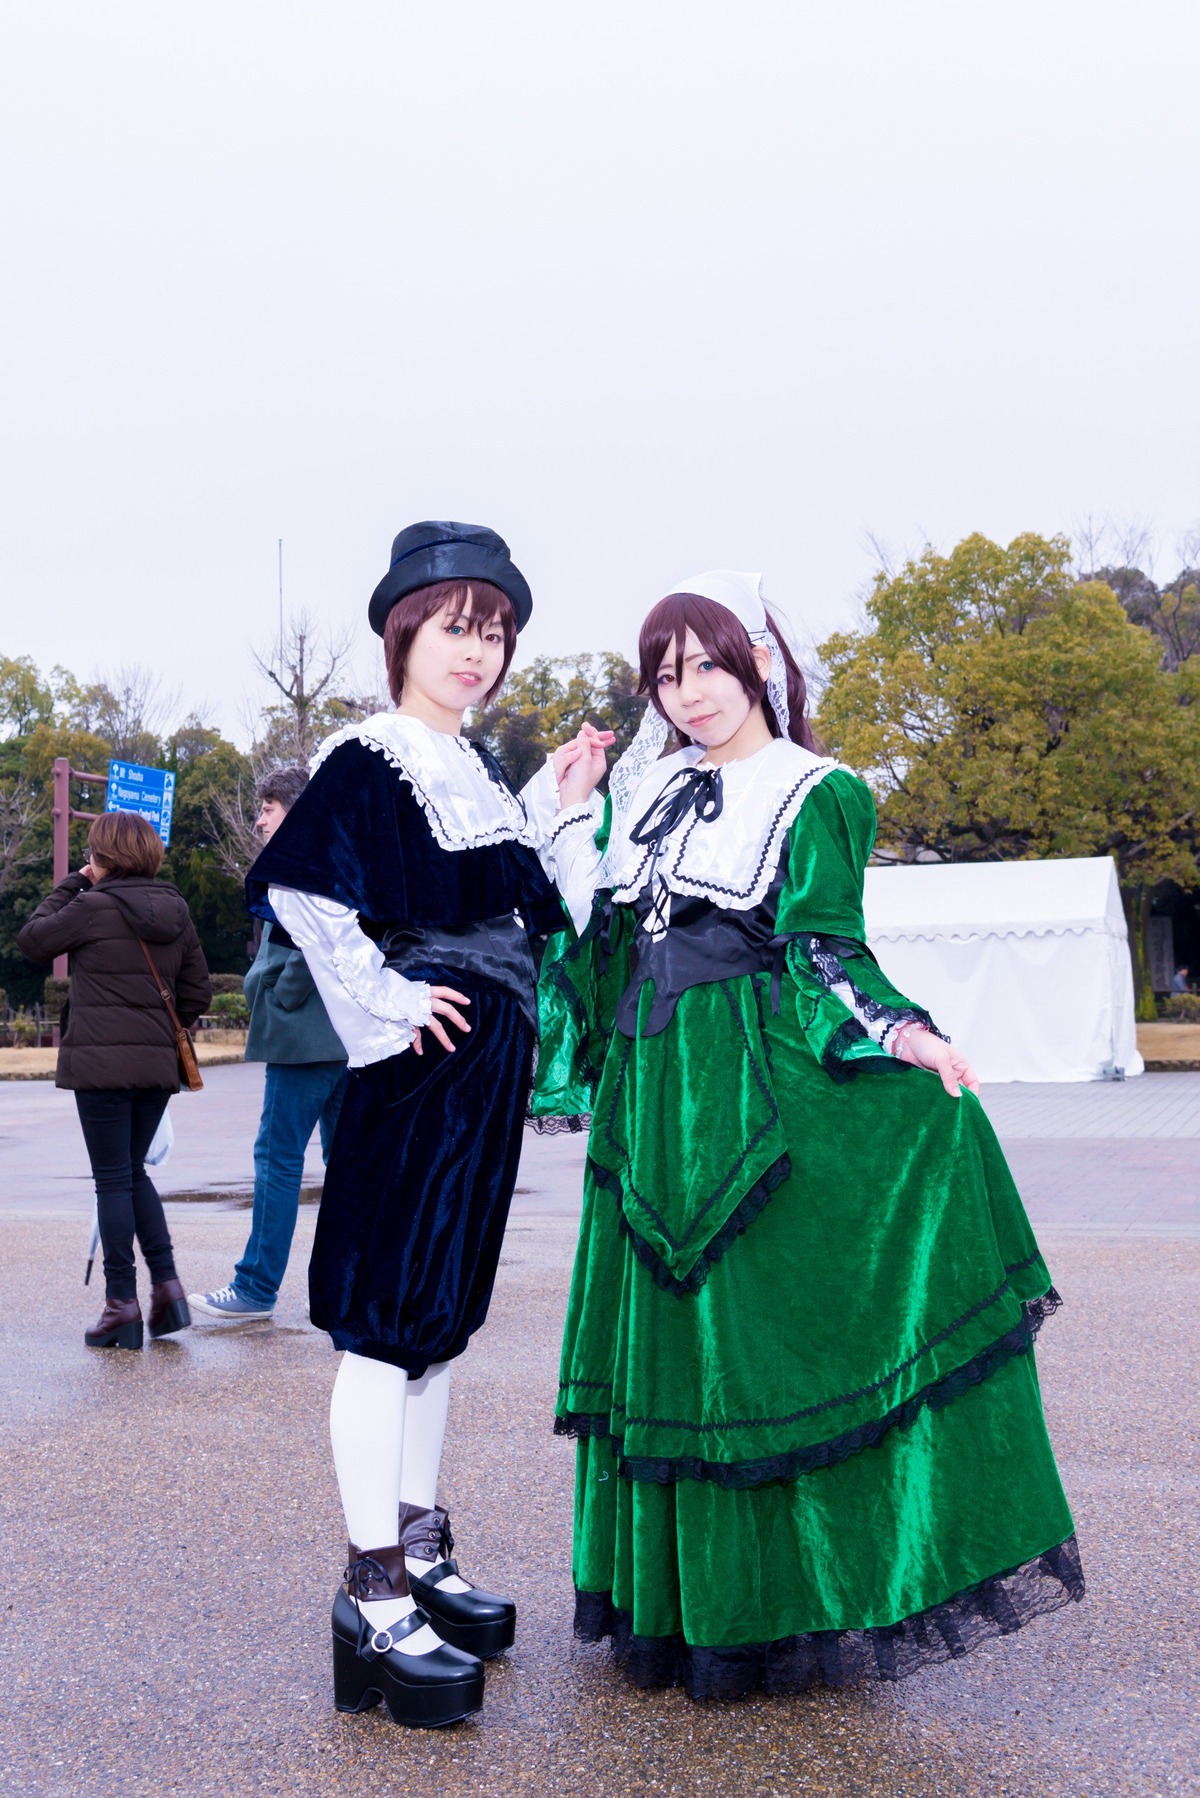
(124, 843)
(283, 785)
(476, 602)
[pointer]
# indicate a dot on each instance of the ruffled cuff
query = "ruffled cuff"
(382, 992)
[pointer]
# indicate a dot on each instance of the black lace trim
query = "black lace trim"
(738, 1476)
(842, 1070)
(558, 1126)
(1037, 1309)
(996, 1607)
(738, 1221)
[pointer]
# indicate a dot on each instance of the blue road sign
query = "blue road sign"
(148, 791)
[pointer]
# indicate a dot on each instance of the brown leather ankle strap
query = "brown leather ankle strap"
(373, 1573)
(425, 1534)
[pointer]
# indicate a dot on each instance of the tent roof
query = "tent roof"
(979, 899)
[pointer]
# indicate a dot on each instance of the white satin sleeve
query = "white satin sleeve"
(566, 841)
(374, 1010)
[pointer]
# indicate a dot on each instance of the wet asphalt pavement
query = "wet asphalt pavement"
(173, 1537)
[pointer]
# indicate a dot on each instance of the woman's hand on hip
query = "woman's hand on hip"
(580, 764)
(922, 1049)
(443, 999)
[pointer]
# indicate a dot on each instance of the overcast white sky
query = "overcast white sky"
(645, 286)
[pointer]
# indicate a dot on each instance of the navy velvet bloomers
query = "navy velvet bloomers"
(418, 1188)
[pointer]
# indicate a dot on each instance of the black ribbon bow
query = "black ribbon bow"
(692, 789)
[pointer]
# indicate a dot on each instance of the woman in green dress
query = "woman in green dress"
(798, 1347)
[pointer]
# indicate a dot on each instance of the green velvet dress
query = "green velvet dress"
(798, 1346)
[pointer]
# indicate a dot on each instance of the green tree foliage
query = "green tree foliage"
(544, 704)
(212, 835)
(1002, 709)
(25, 699)
(42, 719)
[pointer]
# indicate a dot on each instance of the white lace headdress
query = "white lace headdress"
(742, 595)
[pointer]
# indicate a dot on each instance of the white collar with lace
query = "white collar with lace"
(730, 859)
(465, 807)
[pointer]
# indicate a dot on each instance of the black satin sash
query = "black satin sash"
(495, 949)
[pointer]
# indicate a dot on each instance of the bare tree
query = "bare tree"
(1090, 539)
(302, 667)
(21, 809)
(1135, 543)
(130, 709)
(230, 817)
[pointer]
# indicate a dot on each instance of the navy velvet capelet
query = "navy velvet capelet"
(357, 834)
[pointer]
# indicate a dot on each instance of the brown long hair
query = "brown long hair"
(475, 603)
(726, 640)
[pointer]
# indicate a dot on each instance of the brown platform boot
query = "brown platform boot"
(168, 1308)
(119, 1325)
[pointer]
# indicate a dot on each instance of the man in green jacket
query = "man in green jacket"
(305, 1082)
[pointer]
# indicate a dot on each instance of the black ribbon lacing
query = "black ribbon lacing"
(696, 790)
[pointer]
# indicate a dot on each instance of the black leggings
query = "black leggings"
(118, 1128)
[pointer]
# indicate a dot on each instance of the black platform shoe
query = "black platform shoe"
(424, 1691)
(476, 1621)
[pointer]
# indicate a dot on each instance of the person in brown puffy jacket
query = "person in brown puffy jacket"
(118, 1052)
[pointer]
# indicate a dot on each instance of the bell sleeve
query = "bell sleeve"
(847, 1007)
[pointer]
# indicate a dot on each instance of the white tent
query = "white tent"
(1024, 964)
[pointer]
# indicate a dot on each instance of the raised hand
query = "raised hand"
(444, 1000)
(580, 764)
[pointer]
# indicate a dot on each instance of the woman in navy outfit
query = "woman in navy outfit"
(408, 874)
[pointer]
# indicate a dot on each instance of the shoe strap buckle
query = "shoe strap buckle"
(381, 1641)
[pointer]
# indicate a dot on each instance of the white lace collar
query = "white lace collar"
(465, 807)
(731, 859)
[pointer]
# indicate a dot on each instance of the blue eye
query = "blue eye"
(455, 629)
(707, 667)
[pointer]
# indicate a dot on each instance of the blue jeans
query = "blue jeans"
(296, 1099)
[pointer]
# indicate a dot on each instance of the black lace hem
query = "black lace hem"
(567, 1125)
(996, 1607)
(735, 1225)
(737, 1476)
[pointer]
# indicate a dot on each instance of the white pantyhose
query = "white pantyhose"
(424, 1433)
(367, 1428)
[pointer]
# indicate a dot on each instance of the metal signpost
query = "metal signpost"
(129, 788)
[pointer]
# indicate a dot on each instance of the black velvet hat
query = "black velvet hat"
(439, 550)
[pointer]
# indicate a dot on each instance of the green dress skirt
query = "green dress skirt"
(798, 1346)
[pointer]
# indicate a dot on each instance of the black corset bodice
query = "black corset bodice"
(702, 943)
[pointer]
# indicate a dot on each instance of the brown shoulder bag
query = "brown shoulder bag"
(189, 1067)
